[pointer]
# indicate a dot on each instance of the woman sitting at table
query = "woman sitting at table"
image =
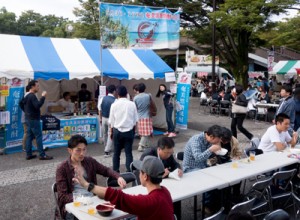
(66, 103)
(77, 147)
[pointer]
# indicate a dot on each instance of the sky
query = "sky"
(59, 8)
(63, 8)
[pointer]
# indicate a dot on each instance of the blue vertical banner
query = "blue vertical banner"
(132, 26)
(182, 105)
(14, 130)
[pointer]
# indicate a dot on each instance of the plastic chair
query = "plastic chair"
(217, 216)
(278, 214)
(129, 177)
(57, 214)
(225, 106)
(214, 107)
(243, 207)
(261, 191)
(179, 155)
(282, 187)
(204, 103)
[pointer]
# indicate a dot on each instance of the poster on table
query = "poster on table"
(182, 100)
(132, 26)
(86, 127)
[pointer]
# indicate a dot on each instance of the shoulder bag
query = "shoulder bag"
(238, 109)
(152, 108)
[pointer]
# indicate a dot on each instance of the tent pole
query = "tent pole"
(176, 76)
(101, 48)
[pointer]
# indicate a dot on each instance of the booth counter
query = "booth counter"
(87, 126)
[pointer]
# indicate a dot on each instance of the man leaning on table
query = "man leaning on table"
(277, 136)
(77, 148)
(157, 204)
(200, 147)
(164, 151)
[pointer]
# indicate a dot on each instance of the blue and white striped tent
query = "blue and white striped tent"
(58, 58)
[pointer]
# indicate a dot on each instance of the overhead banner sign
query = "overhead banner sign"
(130, 26)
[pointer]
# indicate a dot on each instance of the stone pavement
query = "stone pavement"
(25, 186)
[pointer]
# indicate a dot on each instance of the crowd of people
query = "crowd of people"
(121, 119)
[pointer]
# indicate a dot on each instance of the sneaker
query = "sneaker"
(46, 157)
(166, 133)
(107, 154)
(30, 157)
(140, 148)
(172, 134)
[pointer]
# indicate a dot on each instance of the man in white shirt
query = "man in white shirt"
(277, 137)
(123, 118)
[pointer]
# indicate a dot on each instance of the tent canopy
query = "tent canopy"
(58, 58)
(287, 67)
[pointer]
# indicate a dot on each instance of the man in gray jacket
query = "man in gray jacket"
(287, 105)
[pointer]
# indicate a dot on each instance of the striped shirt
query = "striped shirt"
(196, 153)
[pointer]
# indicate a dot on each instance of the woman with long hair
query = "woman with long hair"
(167, 98)
(238, 117)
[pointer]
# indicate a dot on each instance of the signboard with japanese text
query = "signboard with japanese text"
(132, 26)
(14, 130)
(182, 105)
(87, 127)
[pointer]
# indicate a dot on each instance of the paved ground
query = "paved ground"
(25, 186)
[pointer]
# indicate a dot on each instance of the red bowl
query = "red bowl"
(104, 210)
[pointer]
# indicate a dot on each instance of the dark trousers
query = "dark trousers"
(237, 121)
(122, 140)
(169, 114)
(34, 131)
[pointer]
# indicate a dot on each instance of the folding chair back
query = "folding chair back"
(57, 214)
(179, 155)
(217, 216)
(243, 207)
(296, 206)
(278, 214)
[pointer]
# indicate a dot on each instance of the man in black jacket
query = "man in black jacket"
(164, 151)
(31, 106)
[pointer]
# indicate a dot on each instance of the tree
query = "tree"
(237, 23)
(284, 34)
(7, 22)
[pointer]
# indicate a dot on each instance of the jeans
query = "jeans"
(145, 141)
(237, 120)
(122, 140)
(169, 115)
(106, 134)
(34, 130)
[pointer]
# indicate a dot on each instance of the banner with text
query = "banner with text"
(131, 26)
(182, 105)
(14, 130)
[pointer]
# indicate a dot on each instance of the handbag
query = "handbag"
(238, 109)
(152, 108)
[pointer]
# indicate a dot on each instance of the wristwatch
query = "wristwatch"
(90, 187)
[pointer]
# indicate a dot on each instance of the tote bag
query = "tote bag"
(238, 109)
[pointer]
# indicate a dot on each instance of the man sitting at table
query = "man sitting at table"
(157, 204)
(200, 147)
(277, 137)
(77, 147)
(164, 151)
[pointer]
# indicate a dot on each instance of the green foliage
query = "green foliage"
(7, 22)
(283, 34)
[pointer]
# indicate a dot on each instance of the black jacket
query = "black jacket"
(31, 106)
(169, 163)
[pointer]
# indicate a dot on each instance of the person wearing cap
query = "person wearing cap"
(164, 151)
(157, 204)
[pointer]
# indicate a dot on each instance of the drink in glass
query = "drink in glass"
(252, 155)
(91, 211)
(234, 164)
(76, 199)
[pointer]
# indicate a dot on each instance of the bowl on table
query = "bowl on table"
(105, 209)
(222, 152)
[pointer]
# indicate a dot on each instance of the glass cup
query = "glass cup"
(252, 155)
(91, 211)
(76, 199)
(234, 164)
